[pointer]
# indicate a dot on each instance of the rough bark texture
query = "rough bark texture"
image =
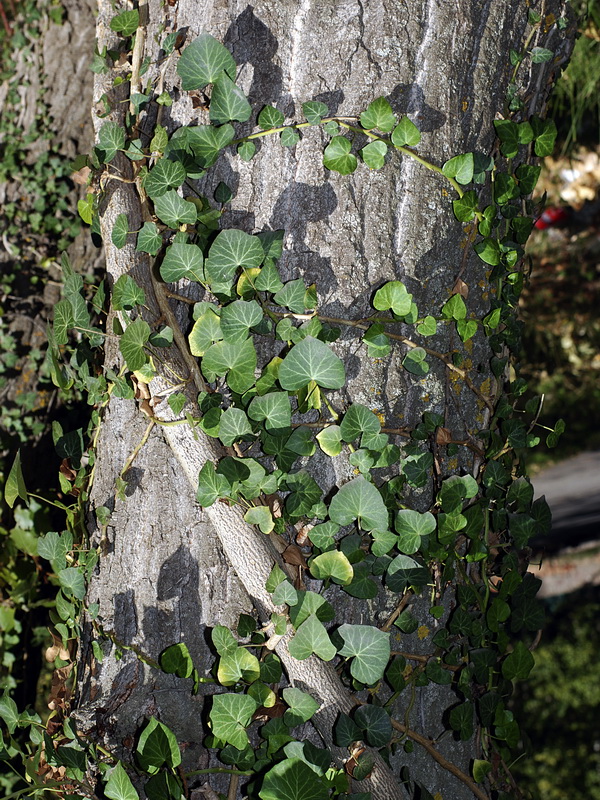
(166, 576)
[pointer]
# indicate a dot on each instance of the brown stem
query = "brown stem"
(396, 612)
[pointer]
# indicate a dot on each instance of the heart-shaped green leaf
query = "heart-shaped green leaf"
(311, 360)
(361, 501)
(337, 156)
(203, 61)
(369, 649)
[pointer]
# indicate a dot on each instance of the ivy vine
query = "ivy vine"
(364, 539)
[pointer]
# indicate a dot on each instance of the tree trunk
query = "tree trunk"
(170, 571)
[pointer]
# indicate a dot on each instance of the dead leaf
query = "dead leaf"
(81, 176)
(293, 555)
(443, 436)
(461, 288)
(66, 470)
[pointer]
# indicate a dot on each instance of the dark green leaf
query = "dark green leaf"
(378, 115)
(165, 175)
(203, 61)
(415, 362)
(173, 210)
(337, 156)
(314, 111)
(270, 117)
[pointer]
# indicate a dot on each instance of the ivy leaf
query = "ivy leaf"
(540, 54)
(119, 786)
(206, 331)
(270, 117)
(234, 425)
(149, 239)
(406, 133)
(378, 115)
(236, 361)
(412, 526)
(362, 586)
(461, 720)
(301, 707)
(376, 724)
(126, 294)
(228, 102)
(230, 715)
(157, 746)
(293, 779)
(274, 408)
(454, 490)
(369, 648)
(238, 317)
(428, 326)
(231, 250)
(461, 168)
(333, 564)
(131, 344)
(518, 664)
(373, 154)
(393, 295)
(311, 360)
(337, 156)
(246, 150)
(239, 665)
(54, 548)
(330, 440)
(176, 660)
(120, 231)
(126, 23)
(211, 485)
(404, 572)
(15, 484)
(314, 111)
(204, 141)
(111, 139)
(415, 362)
(359, 500)
(465, 207)
(480, 769)
(289, 137)
(488, 251)
(544, 132)
(181, 261)
(165, 175)
(311, 637)
(261, 516)
(359, 419)
(173, 210)
(203, 61)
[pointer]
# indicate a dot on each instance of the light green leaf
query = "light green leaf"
(428, 327)
(274, 408)
(466, 329)
(173, 210)
(119, 786)
(311, 637)
(370, 650)
(314, 111)
(412, 526)
(211, 485)
(54, 548)
(540, 54)
(373, 154)
(206, 331)
(359, 419)
(454, 308)
(165, 175)
(230, 250)
(481, 769)
(228, 102)
(238, 665)
(9, 712)
(454, 490)
(415, 362)
(15, 484)
(378, 115)
(111, 138)
(270, 117)
(203, 61)
(285, 594)
(311, 360)
(330, 440)
(131, 344)
(230, 715)
(261, 516)
(63, 321)
(464, 207)
(337, 156)
(293, 779)
(237, 361)
(181, 261)
(238, 317)
(310, 603)
(488, 251)
(333, 564)
(233, 426)
(301, 706)
(406, 133)
(395, 296)
(460, 167)
(120, 231)
(149, 239)
(359, 500)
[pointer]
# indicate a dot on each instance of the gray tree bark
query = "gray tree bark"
(172, 571)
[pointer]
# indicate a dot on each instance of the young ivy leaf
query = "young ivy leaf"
(314, 111)
(361, 501)
(293, 779)
(149, 239)
(131, 344)
(311, 637)
(406, 133)
(246, 151)
(182, 260)
(127, 23)
(119, 231)
(126, 294)
(460, 167)
(15, 483)
(230, 715)
(289, 137)
(373, 154)
(415, 362)
(393, 295)
(369, 649)
(111, 138)
(337, 156)
(119, 786)
(270, 117)
(378, 115)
